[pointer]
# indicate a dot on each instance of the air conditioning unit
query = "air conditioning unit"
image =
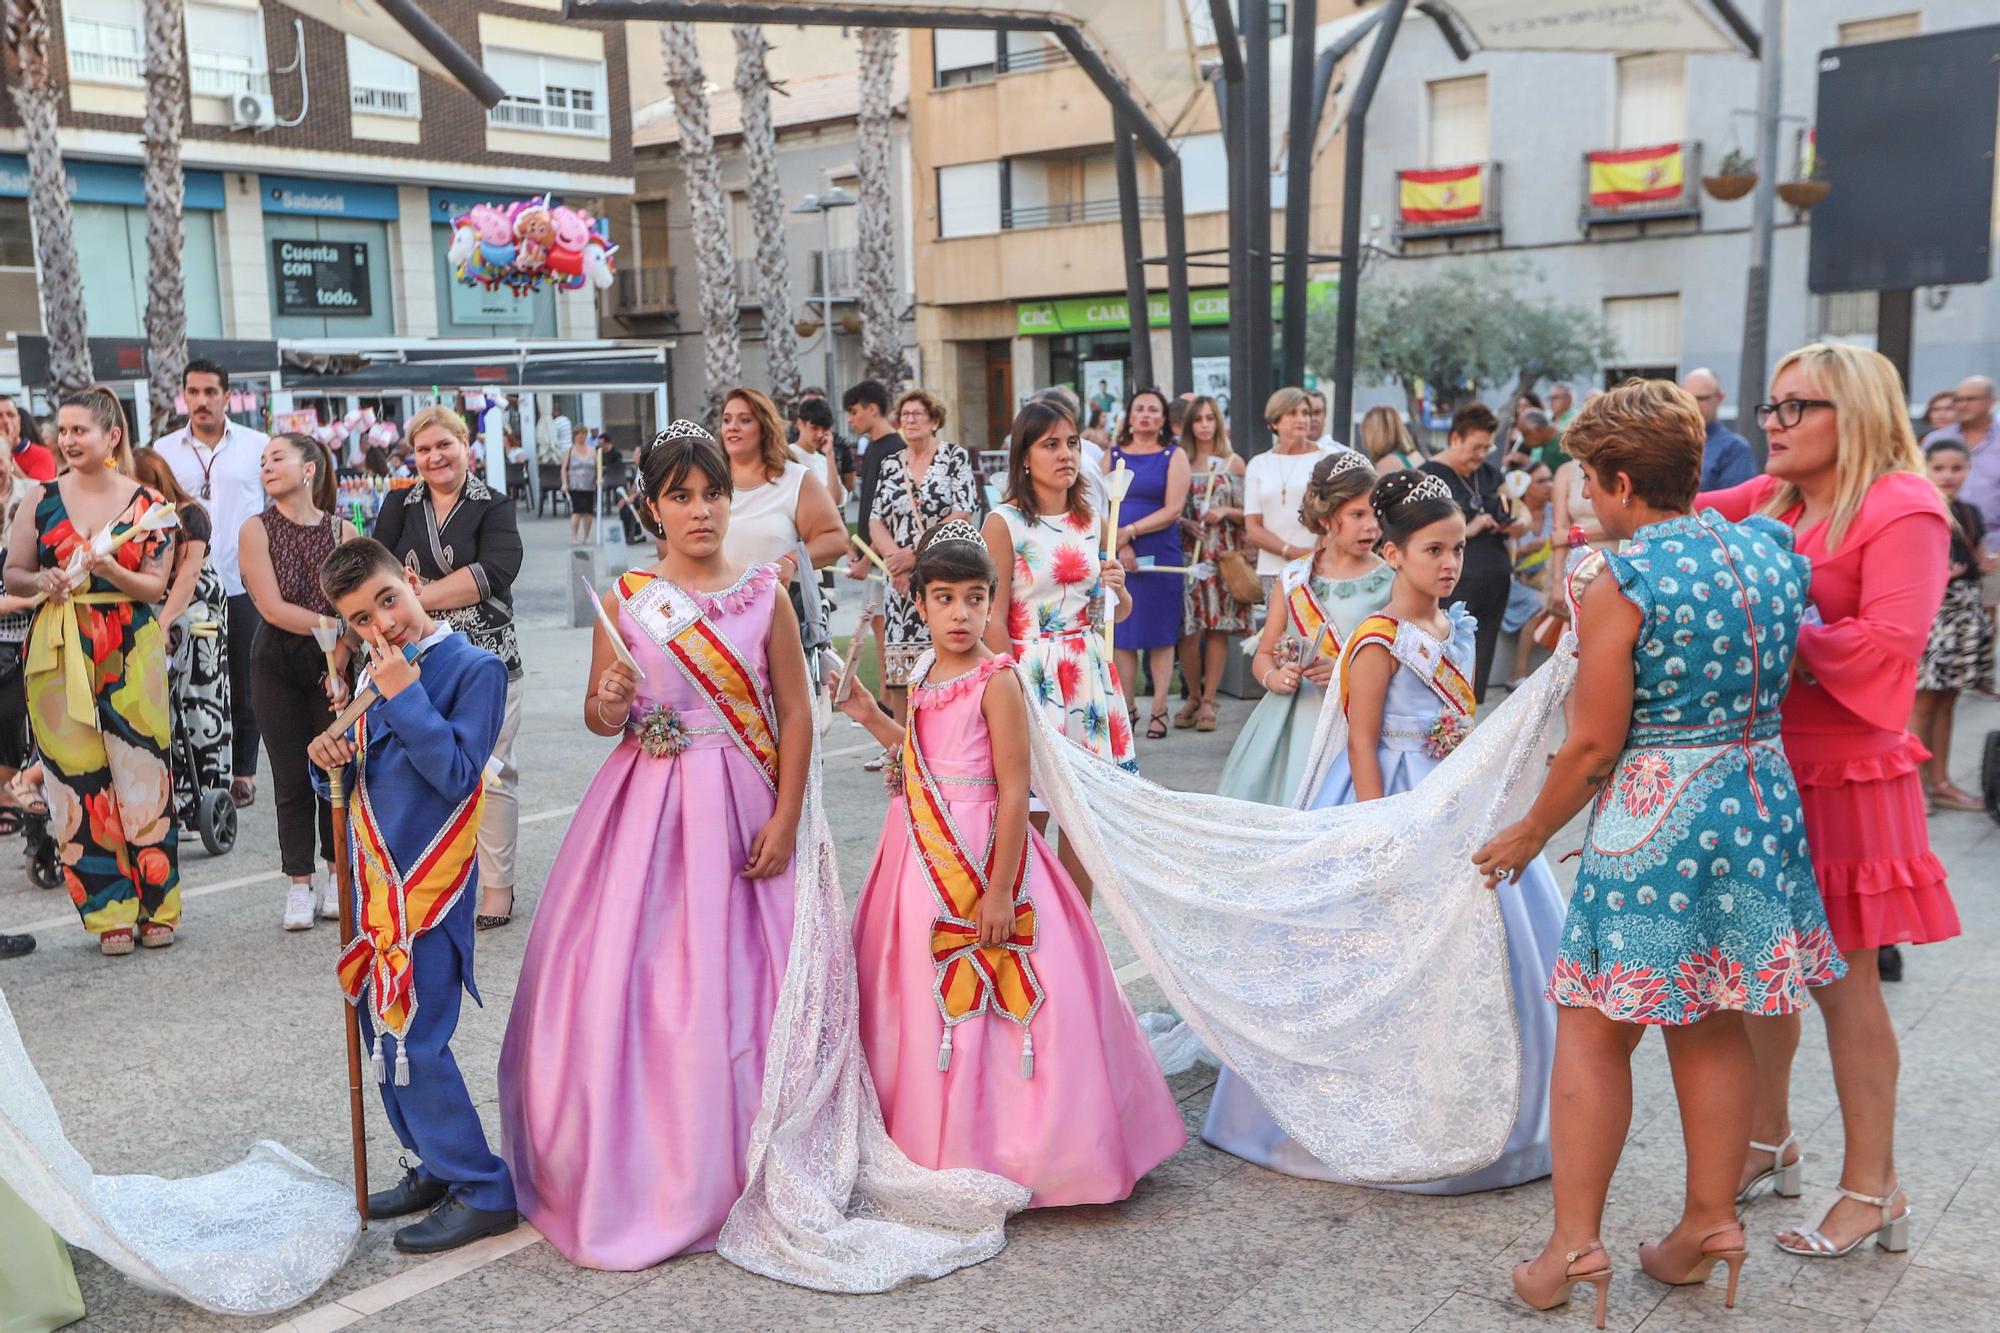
(251, 111)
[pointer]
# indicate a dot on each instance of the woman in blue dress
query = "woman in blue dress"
(1149, 531)
(1316, 604)
(1695, 902)
(1405, 683)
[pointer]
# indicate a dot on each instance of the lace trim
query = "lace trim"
(738, 596)
(937, 696)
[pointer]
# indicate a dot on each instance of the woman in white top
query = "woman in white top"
(1573, 507)
(1275, 482)
(778, 502)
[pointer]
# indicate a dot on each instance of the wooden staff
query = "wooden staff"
(336, 786)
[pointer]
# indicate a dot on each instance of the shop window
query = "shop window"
(103, 37)
(379, 84)
(114, 281)
(551, 94)
(17, 244)
(1457, 133)
(1652, 100)
(968, 199)
(225, 51)
(1647, 330)
(475, 312)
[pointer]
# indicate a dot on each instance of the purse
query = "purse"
(1239, 576)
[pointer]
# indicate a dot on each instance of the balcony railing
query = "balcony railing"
(645, 290)
(215, 75)
(1044, 55)
(383, 101)
(834, 272)
(1641, 185)
(1026, 217)
(101, 65)
(1448, 201)
(522, 114)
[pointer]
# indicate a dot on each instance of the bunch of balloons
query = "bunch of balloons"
(361, 420)
(529, 242)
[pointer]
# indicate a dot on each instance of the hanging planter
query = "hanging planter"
(850, 323)
(1803, 194)
(1736, 178)
(805, 328)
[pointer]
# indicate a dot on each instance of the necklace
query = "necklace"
(1285, 481)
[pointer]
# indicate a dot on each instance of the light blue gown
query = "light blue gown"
(1533, 913)
(1269, 758)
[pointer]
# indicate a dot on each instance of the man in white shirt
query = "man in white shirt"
(220, 463)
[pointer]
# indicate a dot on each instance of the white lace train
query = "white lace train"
(1347, 962)
(253, 1239)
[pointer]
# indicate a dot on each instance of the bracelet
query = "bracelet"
(619, 725)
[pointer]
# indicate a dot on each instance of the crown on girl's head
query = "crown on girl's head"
(956, 530)
(1346, 461)
(681, 428)
(1429, 488)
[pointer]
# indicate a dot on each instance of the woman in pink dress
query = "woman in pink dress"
(996, 1034)
(1846, 475)
(635, 1054)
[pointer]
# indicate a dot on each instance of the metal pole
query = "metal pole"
(1300, 125)
(1757, 288)
(1356, 130)
(1180, 331)
(826, 294)
(1135, 252)
(1255, 134)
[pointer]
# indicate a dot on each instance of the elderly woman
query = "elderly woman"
(1846, 476)
(461, 542)
(1695, 903)
(1274, 483)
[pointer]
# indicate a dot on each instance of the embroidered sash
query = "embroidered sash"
(1309, 617)
(1418, 651)
(675, 621)
(397, 904)
(971, 978)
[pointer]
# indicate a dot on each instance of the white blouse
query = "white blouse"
(763, 521)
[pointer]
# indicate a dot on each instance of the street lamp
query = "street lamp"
(823, 204)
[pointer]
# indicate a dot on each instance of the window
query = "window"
(1647, 330)
(843, 224)
(17, 246)
(553, 94)
(103, 40)
(1847, 317)
(1201, 23)
(1204, 173)
(1652, 101)
(226, 51)
(962, 55)
(968, 199)
(650, 230)
(1457, 122)
(1884, 29)
(378, 83)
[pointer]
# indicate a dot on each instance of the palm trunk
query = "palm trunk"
(881, 329)
(34, 86)
(722, 352)
(166, 294)
(767, 212)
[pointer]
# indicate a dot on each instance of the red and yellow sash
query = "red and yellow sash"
(971, 978)
(1309, 617)
(1418, 651)
(674, 621)
(397, 905)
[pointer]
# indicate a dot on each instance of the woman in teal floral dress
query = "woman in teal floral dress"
(1695, 903)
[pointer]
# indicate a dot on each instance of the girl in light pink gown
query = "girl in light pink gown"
(1017, 1053)
(635, 1054)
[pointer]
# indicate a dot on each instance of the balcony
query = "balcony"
(1661, 183)
(1043, 55)
(1026, 217)
(1462, 200)
(222, 74)
(518, 113)
(105, 66)
(382, 101)
(835, 272)
(645, 290)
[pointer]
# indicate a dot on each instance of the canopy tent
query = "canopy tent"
(1565, 25)
(402, 29)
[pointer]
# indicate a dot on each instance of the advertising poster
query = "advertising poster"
(1103, 388)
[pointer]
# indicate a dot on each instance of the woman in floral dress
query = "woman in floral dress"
(1696, 904)
(926, 482)
(1211, 527)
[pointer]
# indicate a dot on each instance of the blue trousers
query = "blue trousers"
(432, 1114)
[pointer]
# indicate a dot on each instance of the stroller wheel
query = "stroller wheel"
(44, 864)
(215, 820)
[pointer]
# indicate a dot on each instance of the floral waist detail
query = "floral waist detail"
(1434, 736)
(663, 733)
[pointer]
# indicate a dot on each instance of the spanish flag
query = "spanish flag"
(1447, 194)
(1636, 175)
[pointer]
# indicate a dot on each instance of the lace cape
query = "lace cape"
(254, 1239)
(1348, 963)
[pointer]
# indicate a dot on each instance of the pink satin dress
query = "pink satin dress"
(1096, 1115)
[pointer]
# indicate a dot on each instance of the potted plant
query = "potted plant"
(1808, 189)
(1736, 178)
(805, 328)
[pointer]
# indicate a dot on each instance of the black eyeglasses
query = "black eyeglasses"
(1789, 413)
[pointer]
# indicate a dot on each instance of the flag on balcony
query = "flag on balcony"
(1636, 175)
(1447, 194)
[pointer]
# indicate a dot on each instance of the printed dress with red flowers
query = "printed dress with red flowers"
(1053, 623)
(96, 680)
(1696, 893)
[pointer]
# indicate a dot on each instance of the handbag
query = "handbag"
(1239, 576)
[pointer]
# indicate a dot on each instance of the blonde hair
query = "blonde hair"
(107, 414)
(771, 446)
(1383, 433)
(1221, 447)
(437, 414)
(1283, 402)
(1872, 422)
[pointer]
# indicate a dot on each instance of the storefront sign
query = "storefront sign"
(1098, 314)
(321, 277)
(111, 183)
(328, 199)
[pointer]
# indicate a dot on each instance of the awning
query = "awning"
(1567, 25)
(402, 29)
(123, 360)
(394, 365)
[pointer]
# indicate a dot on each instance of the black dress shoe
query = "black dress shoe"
(1889, 962)
(15, 946)
(412, 1195)
(451, 1224)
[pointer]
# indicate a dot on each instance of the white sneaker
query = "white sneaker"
(299, 906)
(329, 894)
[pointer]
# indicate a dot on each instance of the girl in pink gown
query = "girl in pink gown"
(635, 1054)
(996, 1034)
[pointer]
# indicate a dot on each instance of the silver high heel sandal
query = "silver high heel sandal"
(1892, 1235)
(1787, 1178)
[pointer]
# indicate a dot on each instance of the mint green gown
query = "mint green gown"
(38, 1291)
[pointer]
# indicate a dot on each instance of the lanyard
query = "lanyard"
(195, 446)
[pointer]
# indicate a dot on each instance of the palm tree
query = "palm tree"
(722, 352)
(26, 51)
(881, 332)
(767, 210)
(166, 293)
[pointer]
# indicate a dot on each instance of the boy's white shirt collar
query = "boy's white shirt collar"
(440, 630)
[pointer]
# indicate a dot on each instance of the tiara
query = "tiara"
(1429, 488)
(956, 530)
(680, 428)
(1344, 462)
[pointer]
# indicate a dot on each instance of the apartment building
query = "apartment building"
(1588, 167)
(306, 146)
(1020, 272)
(815, 117)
